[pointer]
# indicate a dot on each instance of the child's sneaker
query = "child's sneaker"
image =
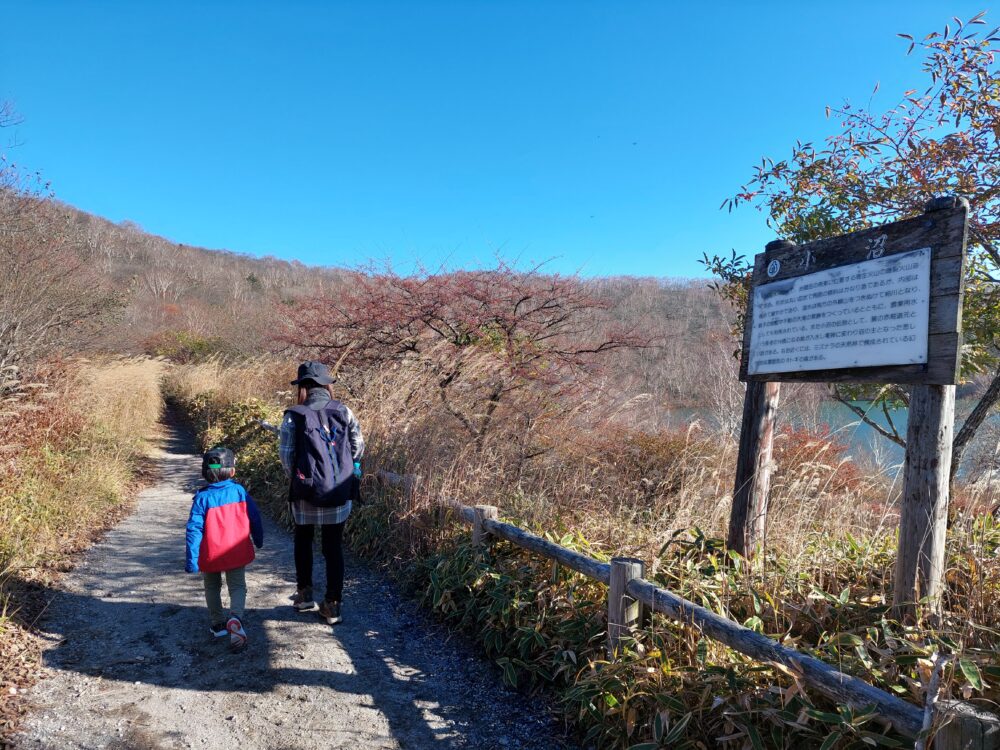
(237, 635)
(302, 600)
(330, 611)
(219, 630)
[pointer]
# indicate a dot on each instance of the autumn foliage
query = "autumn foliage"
(476, 339)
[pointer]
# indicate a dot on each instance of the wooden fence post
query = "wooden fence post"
(624, 612)
(923, 515)
(962, 726)
(479, 532)
(748, 520)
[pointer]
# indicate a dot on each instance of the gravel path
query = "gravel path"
(133, 665)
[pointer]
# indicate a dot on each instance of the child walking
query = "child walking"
(223, 520)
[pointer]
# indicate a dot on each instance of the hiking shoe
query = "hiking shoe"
(219, 630)
(302, 600)
(237, 635)
(330, 611)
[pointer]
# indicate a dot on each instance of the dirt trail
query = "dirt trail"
(133, 665)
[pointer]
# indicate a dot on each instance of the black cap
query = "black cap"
(218, 458)
(317, 372)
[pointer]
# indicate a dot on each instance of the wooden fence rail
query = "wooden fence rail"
(959, 726)
(842, 688)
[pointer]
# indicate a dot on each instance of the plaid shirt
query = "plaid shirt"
(305, 513)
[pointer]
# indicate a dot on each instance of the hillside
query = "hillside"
(217, 298)
(146, 294)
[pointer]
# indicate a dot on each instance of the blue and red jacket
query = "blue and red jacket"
(223, 520)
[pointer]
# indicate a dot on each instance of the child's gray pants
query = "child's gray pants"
(236, 582)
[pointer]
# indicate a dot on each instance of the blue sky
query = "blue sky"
(602, 136)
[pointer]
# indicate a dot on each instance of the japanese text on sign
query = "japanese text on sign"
(862, 315)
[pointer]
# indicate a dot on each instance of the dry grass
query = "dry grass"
(79, 442)
(76, 439)
(592, 478)
(231, 382)
(595, 469)
(122, 396)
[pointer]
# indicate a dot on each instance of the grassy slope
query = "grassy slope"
(69, 476)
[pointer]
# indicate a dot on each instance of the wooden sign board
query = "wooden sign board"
(883, 305)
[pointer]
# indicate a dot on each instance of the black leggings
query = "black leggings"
(333, 552)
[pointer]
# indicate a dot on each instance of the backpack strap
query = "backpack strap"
(330, 408)
(324, 419)
(298, 411)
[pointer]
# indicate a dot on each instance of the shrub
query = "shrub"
(185, 347)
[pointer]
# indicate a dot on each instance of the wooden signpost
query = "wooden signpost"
(883, 305)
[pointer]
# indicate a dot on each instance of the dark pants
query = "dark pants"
(332, 544)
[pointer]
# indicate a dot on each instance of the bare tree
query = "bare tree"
(47, 293)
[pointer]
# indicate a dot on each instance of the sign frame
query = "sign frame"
(944, 231)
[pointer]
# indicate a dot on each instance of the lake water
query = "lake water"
(865, 443)
(861, 437)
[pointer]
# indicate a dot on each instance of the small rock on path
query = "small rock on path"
(132, 665)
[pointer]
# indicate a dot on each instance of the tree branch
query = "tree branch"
(863, 415)
(988, 246)
(973, 422)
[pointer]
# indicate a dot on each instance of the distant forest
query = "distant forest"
(123, 290)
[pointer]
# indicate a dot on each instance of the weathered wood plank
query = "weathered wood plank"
(945, 315)
(748, 518)
(923, 518)
(946, 277)
(941, 369)
(759, 266)
(567, 558)
(840, 687)
(962, 726)
(480, 514)
(624, 612)
(943, 231)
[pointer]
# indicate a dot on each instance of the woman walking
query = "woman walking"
(321, 448)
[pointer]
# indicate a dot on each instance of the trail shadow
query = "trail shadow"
(130, 616)
(168, 645)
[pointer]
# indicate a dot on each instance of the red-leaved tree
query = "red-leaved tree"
(482, 338)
